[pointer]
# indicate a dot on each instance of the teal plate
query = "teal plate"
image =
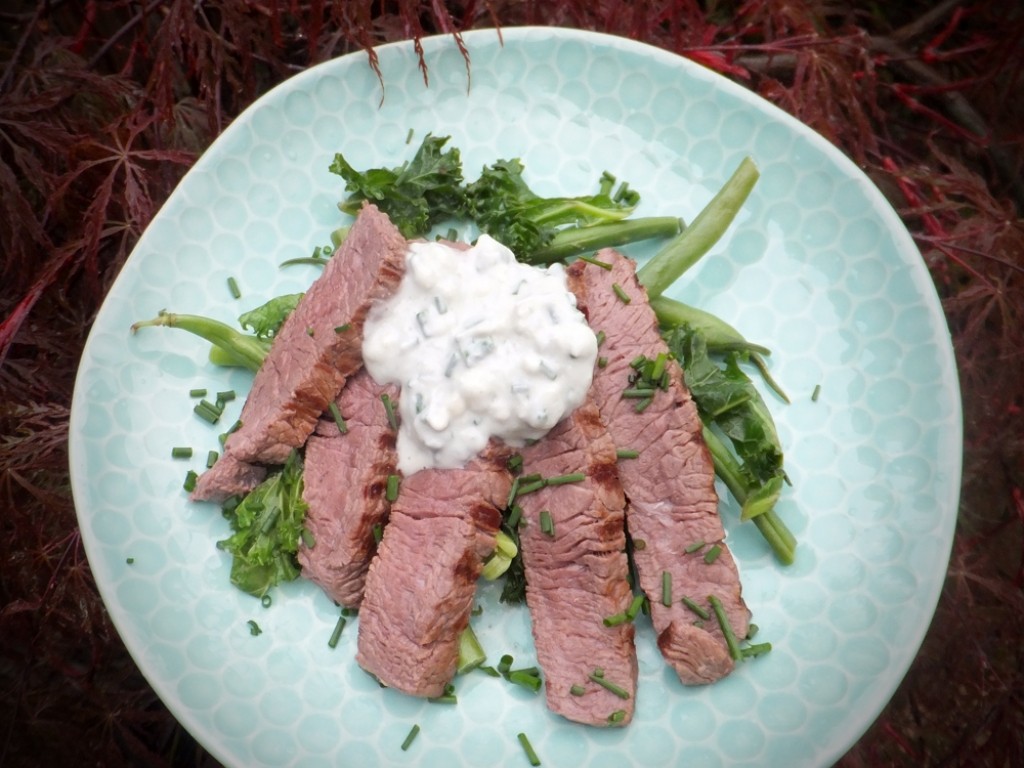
(818, 267)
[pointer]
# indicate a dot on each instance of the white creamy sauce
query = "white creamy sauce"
(481, 345)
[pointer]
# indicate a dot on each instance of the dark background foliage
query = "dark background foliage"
(104, 104)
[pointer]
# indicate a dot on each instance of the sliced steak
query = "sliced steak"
(226, 478)
(420, 586)
(319, 345)
(344, 484)
(578, 575)
(672, 503)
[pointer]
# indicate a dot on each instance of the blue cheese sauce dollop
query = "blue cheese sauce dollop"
(482, 346)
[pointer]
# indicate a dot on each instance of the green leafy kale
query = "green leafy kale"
(429, 189)
(266, 320)
(504, 206)
(267, 525)
(726, 398)
(415, 195)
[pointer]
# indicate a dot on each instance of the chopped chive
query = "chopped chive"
(696, 608)
(181, 452)
(526, 488)
(409, 135)
(617, 716)
(574, 477)
(596, 262)
(445, 698)
(233, 287)
(130, 560)
(758, 649)
(338, 418)
(413, 732)
(190, 481)
(618, 690)
(599, 672)
(310, 331)
(254, 628)
(620, 292)
(378, 533)
(391, 492)
(514, 515)
(601, 336)
(627, 453)
(226, 396)
(489, 670)
(336, 634)
(515, 463)
(505, 664)
(342, 328)
(712, 554)
(308, 539)
(547, 525)
(638, 392)
(198, 392)
(666, 589)
(751, 630)
(641, 405)
(615, 619)
(211, 458)
(531, 755)
(635, 607)
(389, 409)
(513, 491)
(659, 367)
(695, 547)
(815, 393)
(266, 601)
(639, 544)
(577, 690)
(723, 622)
(207, 411)
(637, 361)
(525, 679)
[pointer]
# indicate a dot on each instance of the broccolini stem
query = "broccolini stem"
(573, 241)
(719, 335)
(684, 250)
(235, 347)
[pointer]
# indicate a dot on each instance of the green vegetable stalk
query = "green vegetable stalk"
(231, 347)
(686, 249)
(429, 189)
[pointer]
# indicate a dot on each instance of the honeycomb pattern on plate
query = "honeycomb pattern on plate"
(817, 267)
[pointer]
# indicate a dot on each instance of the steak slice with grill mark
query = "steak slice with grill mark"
(578, 576)
(319, 345)
(344, 483)
(226, 478)
(421, 584)
(672, 503)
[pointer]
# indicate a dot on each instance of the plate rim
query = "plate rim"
(432, 44)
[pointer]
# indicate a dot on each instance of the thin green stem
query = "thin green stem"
(686, 248)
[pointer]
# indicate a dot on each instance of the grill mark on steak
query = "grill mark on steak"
(670, 485)
(421, 584)
(309, 361)
(344, 483)
(579, 576)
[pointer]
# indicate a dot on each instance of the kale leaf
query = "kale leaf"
(267, 525)
(416, 195)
